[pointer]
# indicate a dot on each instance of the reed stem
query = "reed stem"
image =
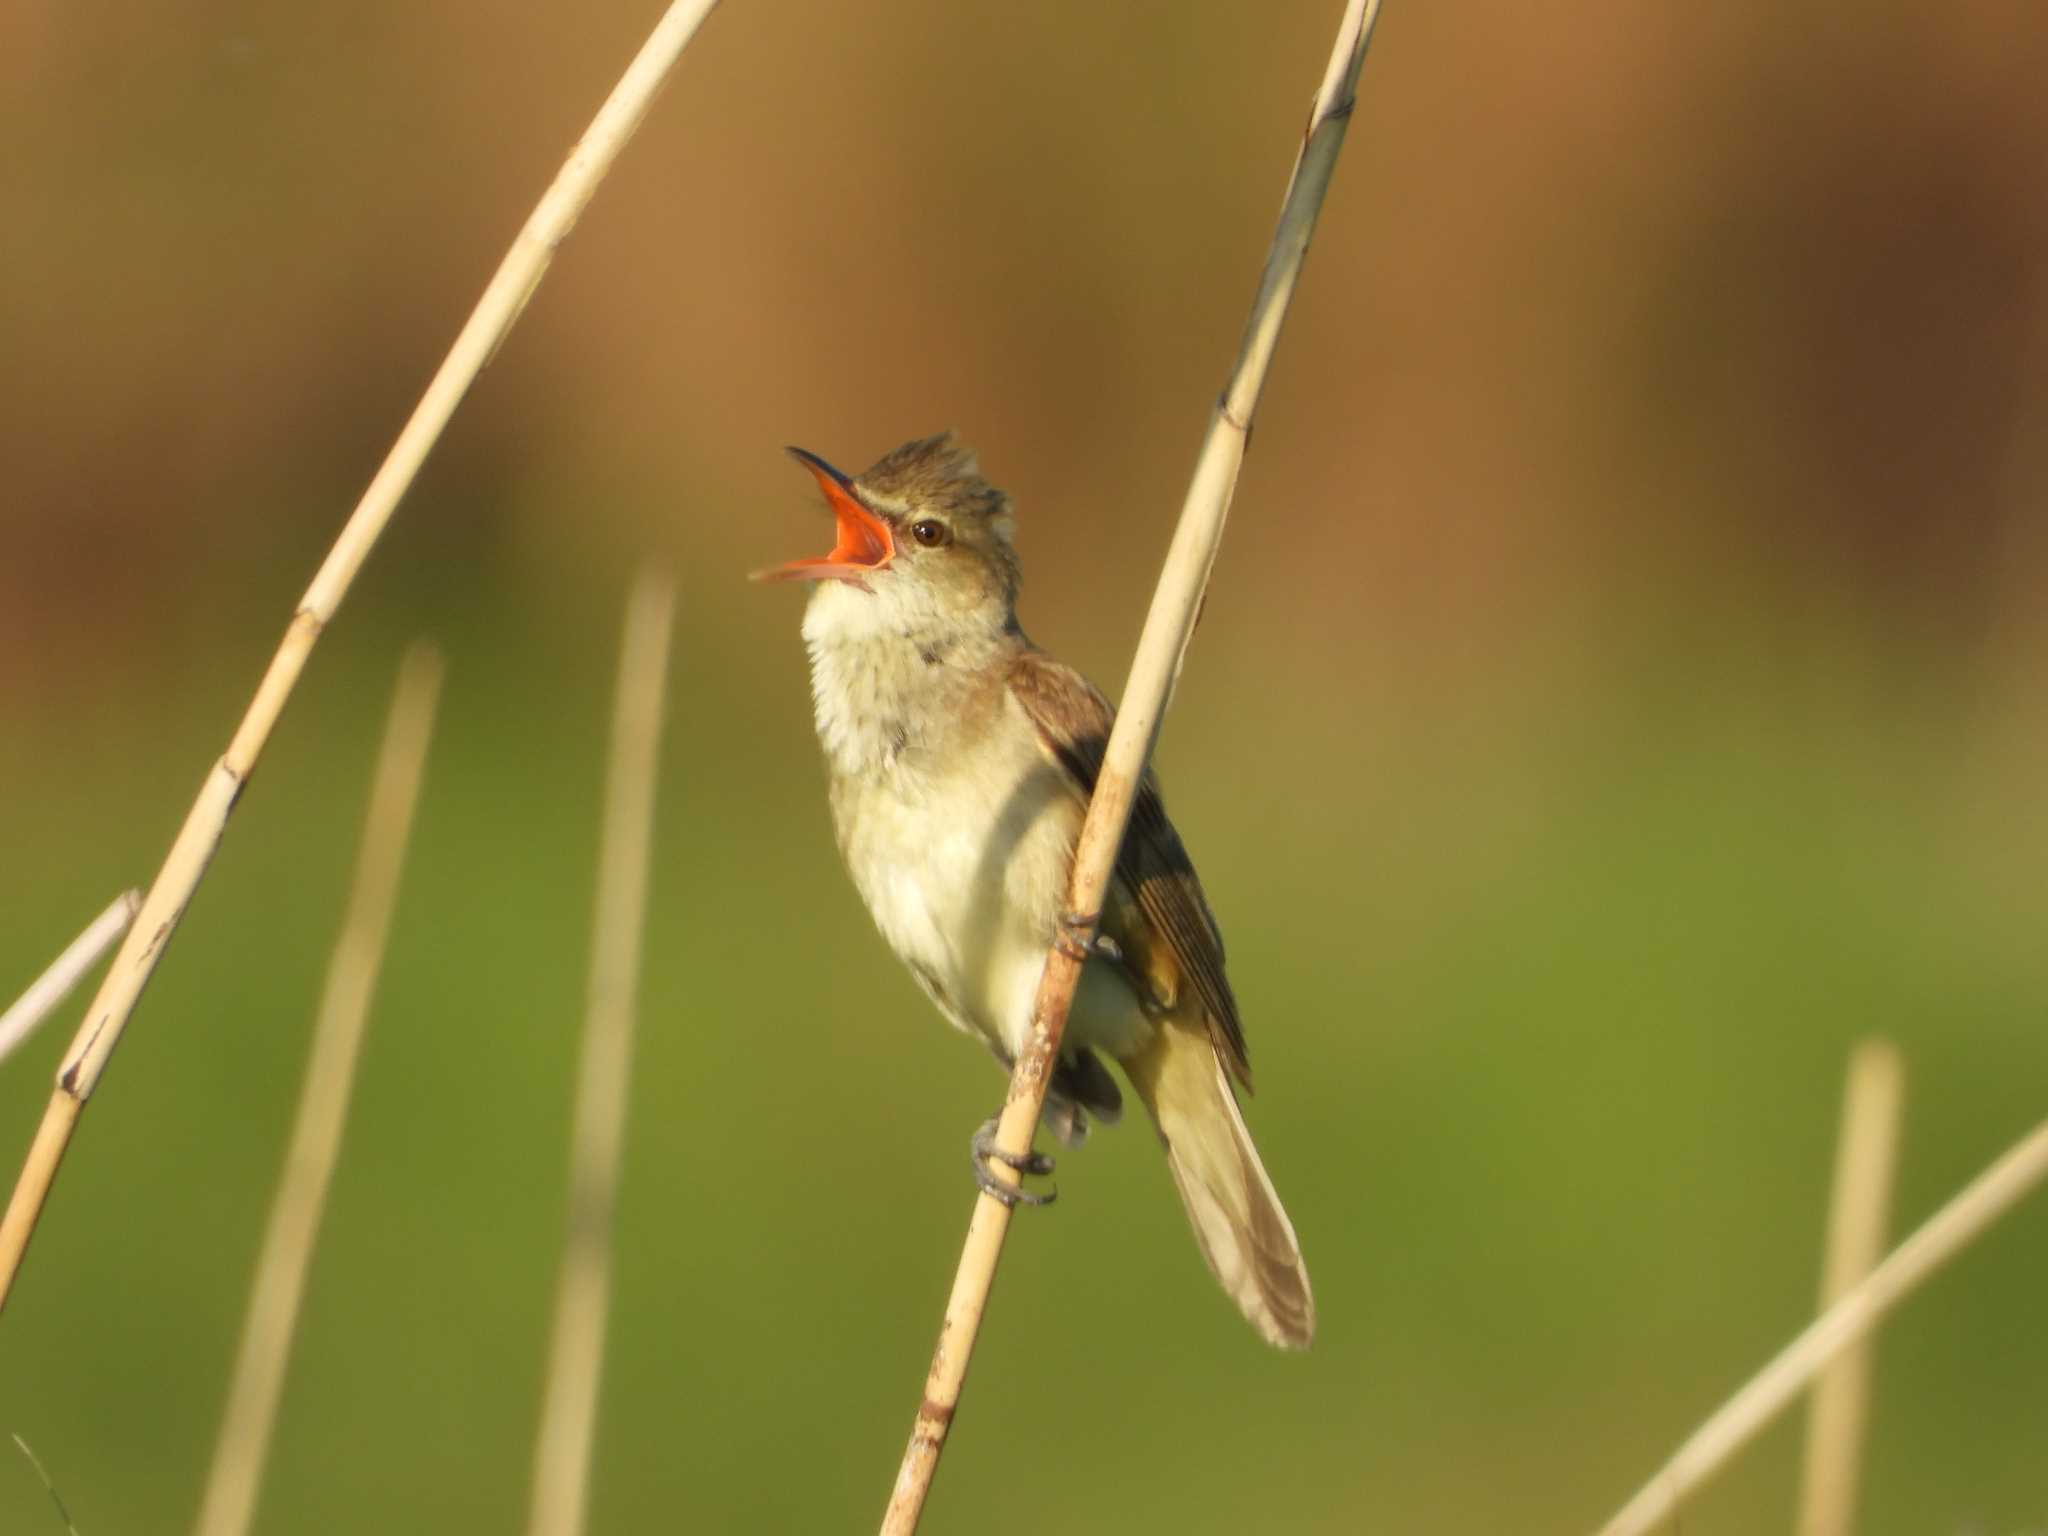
(562, 1454)
(1838, 1413)
(279, 1287)
(26, 1014)
(1161, 649)
(502, 302)
(1940, 1238)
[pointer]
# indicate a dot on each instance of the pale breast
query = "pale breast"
(962, 858)
(957, 827)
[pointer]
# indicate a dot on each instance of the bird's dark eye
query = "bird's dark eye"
(929, 532)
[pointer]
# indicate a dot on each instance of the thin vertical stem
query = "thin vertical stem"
(576, 1359)
(1161, 648)
(1736, 1422)
(295, 1212)
(503, 300)
(1838, 1413)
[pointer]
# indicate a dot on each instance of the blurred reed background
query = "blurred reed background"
(1622, 689)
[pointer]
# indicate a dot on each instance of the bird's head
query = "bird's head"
(922, 538)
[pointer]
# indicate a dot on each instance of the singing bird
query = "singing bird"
(961, 758)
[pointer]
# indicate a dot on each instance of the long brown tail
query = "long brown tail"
(1239, 1223)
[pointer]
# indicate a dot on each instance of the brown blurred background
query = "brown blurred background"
(1622, 689)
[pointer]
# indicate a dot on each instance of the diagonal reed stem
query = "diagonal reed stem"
(503, 300)
(1838, 1413)
(1161, 649)
(561, 1457)
(26, 1014)
(1940, 1238)
(295, 1212)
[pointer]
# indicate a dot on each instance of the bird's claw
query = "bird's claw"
(983, 1147)
(1076, 933)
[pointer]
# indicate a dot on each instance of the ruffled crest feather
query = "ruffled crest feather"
(940, 473)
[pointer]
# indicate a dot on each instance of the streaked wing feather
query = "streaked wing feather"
(1073, 720)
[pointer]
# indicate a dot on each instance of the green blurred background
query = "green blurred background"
(1621, 691)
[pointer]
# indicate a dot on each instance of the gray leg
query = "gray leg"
(983, 1147)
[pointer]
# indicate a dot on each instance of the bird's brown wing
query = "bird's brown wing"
(1155, 912)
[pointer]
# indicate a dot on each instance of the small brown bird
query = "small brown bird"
(961, 760)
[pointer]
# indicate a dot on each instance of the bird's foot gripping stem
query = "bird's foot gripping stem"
(983, 1144)
(1076, 934)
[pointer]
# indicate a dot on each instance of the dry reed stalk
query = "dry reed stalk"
(29, 1010)
(1839, 1410)
(1176, 604)
(295, 1212)
(503, 300)
(1940, 1238)
(561, 1457)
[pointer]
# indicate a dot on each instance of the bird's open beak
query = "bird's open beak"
(865, 544)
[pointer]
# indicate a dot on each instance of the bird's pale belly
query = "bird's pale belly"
(965, 877)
